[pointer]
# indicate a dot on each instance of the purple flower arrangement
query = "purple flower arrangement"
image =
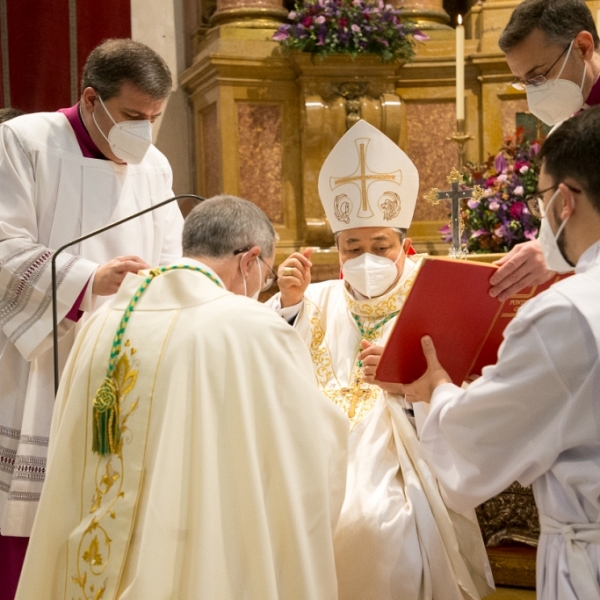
(501, 219)
(325, 27)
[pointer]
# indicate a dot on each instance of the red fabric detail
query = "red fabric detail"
(12, 557)
(75, 314)
(86, 143)
(97, 21)
(38, 47)
(594, 96)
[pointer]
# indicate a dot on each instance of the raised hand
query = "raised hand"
(370, 357)
(422, 389)
(293, 277)
(109, 276)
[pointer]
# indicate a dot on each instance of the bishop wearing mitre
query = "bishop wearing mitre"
(395, 538)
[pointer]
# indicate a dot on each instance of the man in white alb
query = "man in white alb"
(65, 174)
(396, 538)
(534, 417)
(192, 456)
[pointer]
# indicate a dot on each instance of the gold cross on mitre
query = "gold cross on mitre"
(455, 195)
(356, 393)
(362, 176)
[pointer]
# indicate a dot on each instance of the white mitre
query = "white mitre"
(367, 181)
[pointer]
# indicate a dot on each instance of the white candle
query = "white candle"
(460, 70)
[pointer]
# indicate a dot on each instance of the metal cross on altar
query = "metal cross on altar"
(363, 176)
(455, 195)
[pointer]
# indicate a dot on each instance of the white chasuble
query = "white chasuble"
(49, 195)
(396, 540)
(231, 476)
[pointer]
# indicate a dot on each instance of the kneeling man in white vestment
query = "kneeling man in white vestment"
(534, 417)
(396, 540)
(192, 455)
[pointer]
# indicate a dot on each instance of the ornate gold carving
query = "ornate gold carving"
(390, 205)
(454, 177)
(477, 192)
(432, 196)
(95, 543)
(510, 516)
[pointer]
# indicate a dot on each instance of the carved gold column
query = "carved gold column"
(429, 14)
(249, 13)
(334, 94)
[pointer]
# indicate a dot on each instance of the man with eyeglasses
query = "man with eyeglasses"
(552, 49)
(192, 455)
(534, 417)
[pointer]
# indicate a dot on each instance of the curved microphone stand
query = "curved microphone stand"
(81, 239)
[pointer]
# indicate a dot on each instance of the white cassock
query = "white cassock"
(396, 540)
(49, 195)
(535, 418)
(231, 477)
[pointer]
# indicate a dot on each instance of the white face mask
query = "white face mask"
(553, 256)
(257, 293)
(128, 140)
(369, 274)
(557, 99)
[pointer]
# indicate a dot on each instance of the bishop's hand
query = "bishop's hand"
(109, 276)
(293, 277)
(522, 267)
(422, 389)
(370, 357)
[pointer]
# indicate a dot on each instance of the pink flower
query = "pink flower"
(355, 28)
(307, 21)
(292, 15)
(472, 203)
(500, 163)
(494, 205)
(280, 35)
(518, 191)
(502, 178)
(420, 36)
(320, 19)
(520, 164)
(499, 231)
(523, 169)
(516, 210)
(490, 181)
(531, 235)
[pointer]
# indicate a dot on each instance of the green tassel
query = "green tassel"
(107, 419)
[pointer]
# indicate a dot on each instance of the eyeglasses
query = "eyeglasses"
(519, 84)
(535, 202)
(270, 280)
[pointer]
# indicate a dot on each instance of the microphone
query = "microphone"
(81, 239)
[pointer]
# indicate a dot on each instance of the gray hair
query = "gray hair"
(399, 230)
(560, 20)
(116, 61)
(223, 224)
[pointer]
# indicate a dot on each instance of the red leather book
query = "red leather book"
(450, 302)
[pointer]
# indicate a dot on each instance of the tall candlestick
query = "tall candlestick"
(460, 70)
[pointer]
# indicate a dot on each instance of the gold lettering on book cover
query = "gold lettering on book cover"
(95, 544)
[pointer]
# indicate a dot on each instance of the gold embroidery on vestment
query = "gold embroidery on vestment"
(95, 543)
